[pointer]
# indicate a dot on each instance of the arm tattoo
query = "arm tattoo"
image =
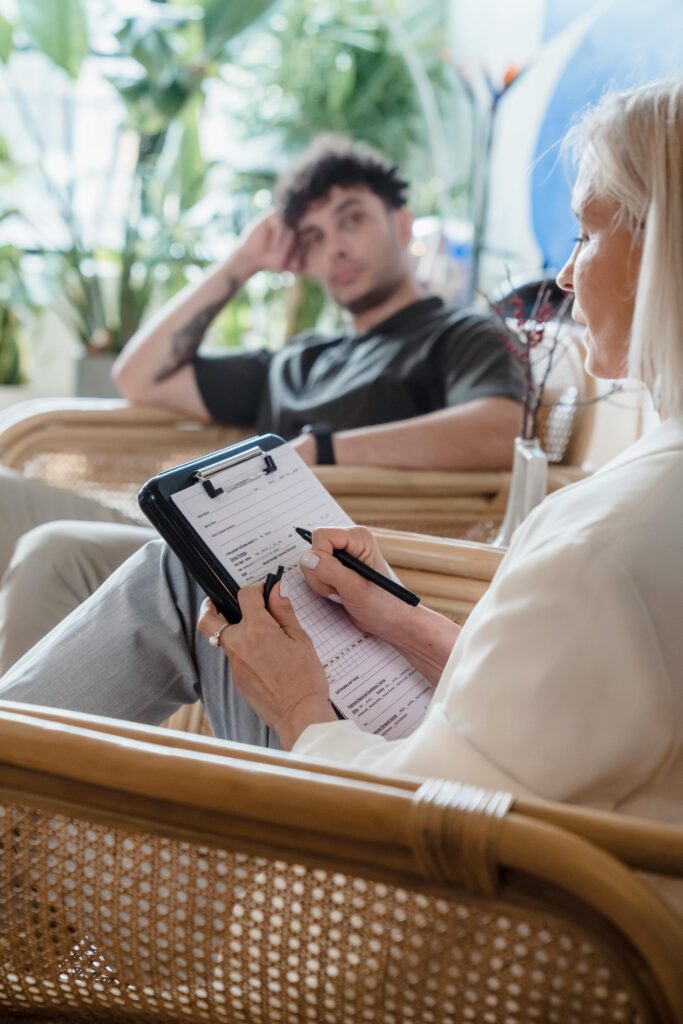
(186, 340)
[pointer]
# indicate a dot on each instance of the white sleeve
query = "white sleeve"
(555, 688)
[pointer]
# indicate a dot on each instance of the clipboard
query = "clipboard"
(156, 501)
(231, 517)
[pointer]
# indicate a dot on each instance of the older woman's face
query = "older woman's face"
(602, 273)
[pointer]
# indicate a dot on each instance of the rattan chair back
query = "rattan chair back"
(106, 449)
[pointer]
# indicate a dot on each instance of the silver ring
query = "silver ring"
(215, 638)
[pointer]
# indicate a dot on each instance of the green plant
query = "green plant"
(104, 292)
(368, 68)
(14, 305)
(14, 301)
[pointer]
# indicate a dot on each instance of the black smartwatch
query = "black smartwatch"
(322, 433)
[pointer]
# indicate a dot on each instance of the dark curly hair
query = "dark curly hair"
(336, 160)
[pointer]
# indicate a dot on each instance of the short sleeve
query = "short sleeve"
(476, 363)
(232, 385)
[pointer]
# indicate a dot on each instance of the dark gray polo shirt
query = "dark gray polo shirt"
(426, 357)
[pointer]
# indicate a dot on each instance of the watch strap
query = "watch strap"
(323, 443)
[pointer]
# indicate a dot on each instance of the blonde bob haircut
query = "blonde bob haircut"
(631, 146)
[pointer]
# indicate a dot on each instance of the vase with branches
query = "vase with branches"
(534, 339)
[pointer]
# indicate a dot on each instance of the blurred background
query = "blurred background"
(137, 138)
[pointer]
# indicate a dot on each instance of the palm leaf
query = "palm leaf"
(6, 32)
(58, 29)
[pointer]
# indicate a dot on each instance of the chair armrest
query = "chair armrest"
(442, 555)
(643, 844)
(26, 427)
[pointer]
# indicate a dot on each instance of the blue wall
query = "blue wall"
(630, 43)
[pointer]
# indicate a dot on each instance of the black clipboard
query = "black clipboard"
(156, 501)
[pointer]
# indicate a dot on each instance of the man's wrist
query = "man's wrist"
(240, 266)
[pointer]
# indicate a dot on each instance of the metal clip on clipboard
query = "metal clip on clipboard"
(204, 475)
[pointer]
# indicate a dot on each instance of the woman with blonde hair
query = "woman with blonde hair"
(566, 682)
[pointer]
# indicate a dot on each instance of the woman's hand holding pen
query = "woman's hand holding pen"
(273, 661)
(423, 637)
(370, 608)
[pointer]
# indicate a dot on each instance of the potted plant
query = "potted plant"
(166, 54)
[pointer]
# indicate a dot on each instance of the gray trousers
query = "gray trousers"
(26, 503)
(132, 651)
(56, 548)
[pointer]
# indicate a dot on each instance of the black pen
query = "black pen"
(402, 593)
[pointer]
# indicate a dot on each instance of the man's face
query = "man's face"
(355, 246)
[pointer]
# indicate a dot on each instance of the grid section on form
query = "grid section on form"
(328, 625)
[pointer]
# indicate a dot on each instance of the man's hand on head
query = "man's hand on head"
(268, 244)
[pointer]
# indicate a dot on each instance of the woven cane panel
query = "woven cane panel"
(556, 424)
(99, 924)
(110, 477)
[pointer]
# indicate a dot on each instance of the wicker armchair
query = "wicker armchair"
(106, 449)
(151, 876)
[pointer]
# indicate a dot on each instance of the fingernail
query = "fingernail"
(284, 588)
(309, 560)
(336, 598)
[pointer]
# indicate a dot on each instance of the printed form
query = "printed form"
(250, 529)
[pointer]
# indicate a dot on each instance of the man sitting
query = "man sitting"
(411, 382)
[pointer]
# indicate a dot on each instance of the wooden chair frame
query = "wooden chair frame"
(429, 836)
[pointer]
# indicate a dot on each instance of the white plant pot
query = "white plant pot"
(93, 375)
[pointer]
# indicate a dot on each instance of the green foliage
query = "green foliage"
(14, 304)
(167, 63)
(336, 66)
(162, 82)
(332, 65)
(58, 29)
(10, 348)
(6, 33)
(307, 310)
(224, 21)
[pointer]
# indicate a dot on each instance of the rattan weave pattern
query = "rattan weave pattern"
(101, 924)
(112, 478)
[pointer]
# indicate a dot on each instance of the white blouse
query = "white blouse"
(567, 680)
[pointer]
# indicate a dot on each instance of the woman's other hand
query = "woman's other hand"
(273, 662)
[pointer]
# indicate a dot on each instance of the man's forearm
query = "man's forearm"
(477, 435)
(186, 339)
(170, 340)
